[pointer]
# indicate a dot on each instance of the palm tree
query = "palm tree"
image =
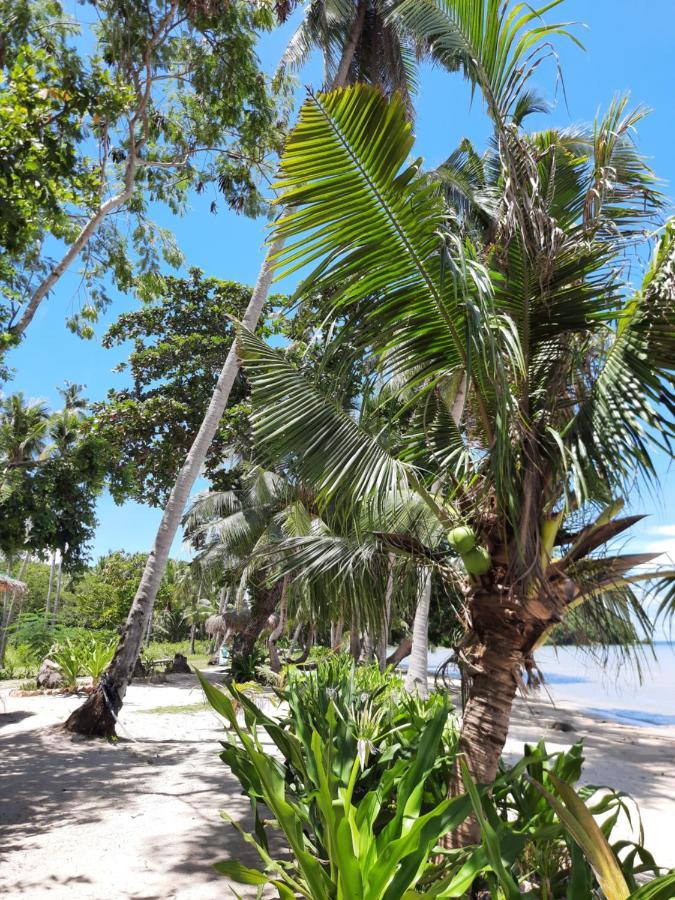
(569, 370)
(348, 19)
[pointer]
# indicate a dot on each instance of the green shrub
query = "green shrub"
(358, 785)
(96, 657)
(68, 657)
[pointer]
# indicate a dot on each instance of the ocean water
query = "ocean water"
(614, 691)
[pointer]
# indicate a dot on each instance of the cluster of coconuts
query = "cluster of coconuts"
(476, 559)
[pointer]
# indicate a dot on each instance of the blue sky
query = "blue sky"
(629, 47)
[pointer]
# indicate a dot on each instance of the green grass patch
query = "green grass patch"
(187, 708)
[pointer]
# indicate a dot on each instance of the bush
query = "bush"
(96, 657)
(68, 657)
(358, 786)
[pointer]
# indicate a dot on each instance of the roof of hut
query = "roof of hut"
(8, 584)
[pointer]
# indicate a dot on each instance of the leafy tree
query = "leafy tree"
(562, 371)
(169, 99)
(179, 341)
(94, 716)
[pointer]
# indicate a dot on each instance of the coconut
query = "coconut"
(477, 561)
(463, 539)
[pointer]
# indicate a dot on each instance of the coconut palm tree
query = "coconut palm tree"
(389, 65)
(569, 369)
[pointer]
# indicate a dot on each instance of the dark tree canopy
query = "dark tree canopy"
(179, 341)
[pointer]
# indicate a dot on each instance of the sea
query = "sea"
(612, 688)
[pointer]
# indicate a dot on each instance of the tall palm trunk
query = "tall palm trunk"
(52, 571)
(57, 595)
(383, 640)
(416, 680)
(98, 713)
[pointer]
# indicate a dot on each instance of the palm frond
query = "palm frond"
(300, 428)
(631, 407)
(497, 45)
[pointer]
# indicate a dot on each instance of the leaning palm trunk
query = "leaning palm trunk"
(98, 714)
(416, 681)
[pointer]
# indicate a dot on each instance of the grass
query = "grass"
(187, 708)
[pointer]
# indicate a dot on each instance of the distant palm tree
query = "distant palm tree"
(23, 431)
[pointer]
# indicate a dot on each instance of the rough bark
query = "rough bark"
(417, 677)
(400, 653)
(275, 662)
(264, 606)
(122, 666)
(490, 691)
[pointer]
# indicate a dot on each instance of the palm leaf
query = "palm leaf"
(297, 426)
(378, 230)
(497, 45)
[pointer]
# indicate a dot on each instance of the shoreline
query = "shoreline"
(142, 814)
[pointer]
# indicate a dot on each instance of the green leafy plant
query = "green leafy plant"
(348, 751)
(96, 657)
(68, 657)
(377, 849)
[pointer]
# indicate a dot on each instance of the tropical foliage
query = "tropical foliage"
(512, 317)
(357, 785)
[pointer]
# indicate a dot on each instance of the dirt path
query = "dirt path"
(136, 819)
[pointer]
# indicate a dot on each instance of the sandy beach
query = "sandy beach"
(140, 818)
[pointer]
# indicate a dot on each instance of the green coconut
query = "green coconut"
(463, 539)
(477, 561)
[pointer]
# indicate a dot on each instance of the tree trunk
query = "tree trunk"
(383, 640)
(336, 630)
(192, 638)
(275, 662)
(367, 648)
(404, 649)
(122, 666)
(490, 694)
(416, 680)
(57, 595)
(263, 607)
(52, 569)
(77, 246)
(8, 609)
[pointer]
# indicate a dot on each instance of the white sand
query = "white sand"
(86, 820)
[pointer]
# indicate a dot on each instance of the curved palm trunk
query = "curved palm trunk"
(275, 662)
(400, 653)
(416, 680)
(97, 714)
(264, 606)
